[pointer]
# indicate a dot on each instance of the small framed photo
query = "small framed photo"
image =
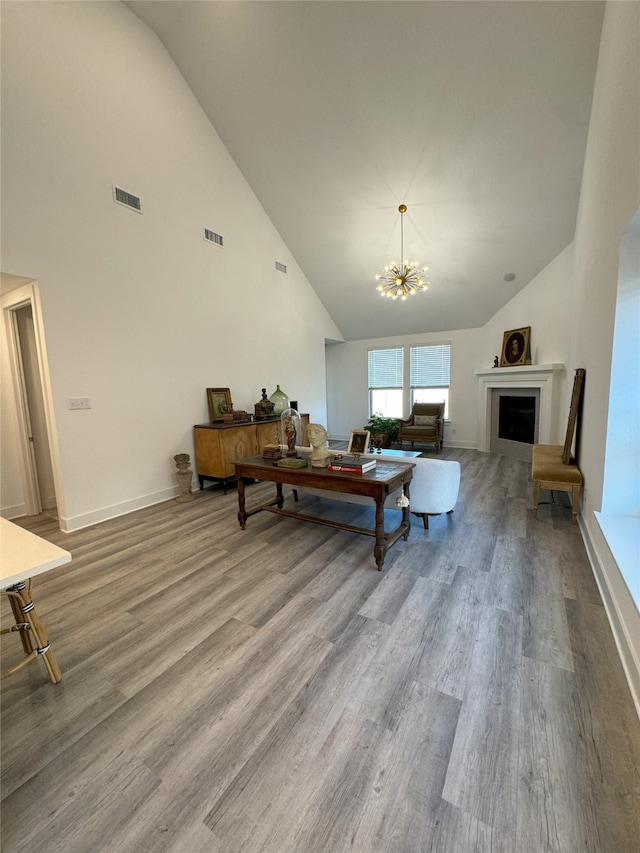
(219, 400)
(359, 441)
(516, 347)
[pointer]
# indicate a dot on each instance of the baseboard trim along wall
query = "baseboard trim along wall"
(622, 614)
(16, 511)
(78, 522)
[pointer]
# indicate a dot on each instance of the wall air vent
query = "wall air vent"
(212, 237)
(128, 199)
(281, 267)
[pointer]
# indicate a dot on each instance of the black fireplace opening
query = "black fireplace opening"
(517, 418)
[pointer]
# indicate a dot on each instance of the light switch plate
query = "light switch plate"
(79, 402)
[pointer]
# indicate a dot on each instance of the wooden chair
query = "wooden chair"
(552, 466)
(425, 424)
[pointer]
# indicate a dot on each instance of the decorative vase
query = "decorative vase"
(280, 401)
(184, 476)
(290, 428)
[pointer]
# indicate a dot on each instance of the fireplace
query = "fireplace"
(540, 380)
(514, 421)
(517, 418)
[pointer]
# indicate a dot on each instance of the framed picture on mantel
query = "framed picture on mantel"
(219, 402)
(516, 347)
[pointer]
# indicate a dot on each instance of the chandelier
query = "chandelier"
(403, 278)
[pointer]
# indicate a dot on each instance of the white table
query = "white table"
(23, 555)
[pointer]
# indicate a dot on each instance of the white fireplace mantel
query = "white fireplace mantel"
(539, 376)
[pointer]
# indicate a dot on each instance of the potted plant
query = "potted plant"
(383, 430)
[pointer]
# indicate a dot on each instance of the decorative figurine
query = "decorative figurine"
(495, 361)
(264, 407)
(184, 476)
(290, 427)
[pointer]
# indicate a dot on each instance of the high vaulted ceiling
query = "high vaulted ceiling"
(474, 114)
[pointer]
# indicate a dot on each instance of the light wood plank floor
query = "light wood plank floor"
(267, 691)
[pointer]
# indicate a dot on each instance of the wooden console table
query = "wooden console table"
(378, 484)
(218, 445)
(22, 556)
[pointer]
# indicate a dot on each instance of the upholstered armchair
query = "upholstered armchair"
(425, 424)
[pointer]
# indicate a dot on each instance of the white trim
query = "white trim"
(29, 294)
(27, 468)
(16, 511)
(78, 522)
(622, 613)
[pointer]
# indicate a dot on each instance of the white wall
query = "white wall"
(141, 314)
(610, 196)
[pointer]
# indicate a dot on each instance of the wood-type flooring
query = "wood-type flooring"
(268, 691)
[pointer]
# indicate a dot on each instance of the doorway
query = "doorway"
(28, 393)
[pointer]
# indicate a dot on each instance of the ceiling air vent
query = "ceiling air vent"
(212, 237)
(281, 267)
(128, 199)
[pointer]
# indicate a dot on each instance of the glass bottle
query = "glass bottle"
(280, 401)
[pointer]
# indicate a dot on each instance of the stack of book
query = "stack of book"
(232, 417)
(353, 464)
(271, 451)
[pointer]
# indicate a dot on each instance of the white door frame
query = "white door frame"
(29, 294)
(29, 469)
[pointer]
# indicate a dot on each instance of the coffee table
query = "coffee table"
(377, 483)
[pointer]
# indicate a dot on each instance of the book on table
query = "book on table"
(291, 462)
(353, 464)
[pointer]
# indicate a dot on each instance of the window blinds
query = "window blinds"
(429, 366)
(385, 368)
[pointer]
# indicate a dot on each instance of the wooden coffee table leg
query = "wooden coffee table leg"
(280, 496)
(380, 546)
(406, 517)
(242, 514)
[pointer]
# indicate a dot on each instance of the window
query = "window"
(385, 381)
(429, 370)
(619, 518)
(396, 383)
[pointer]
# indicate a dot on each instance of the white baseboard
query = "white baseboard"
(16, 511)
(620, 608)
(461, 445)
(78, 522)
